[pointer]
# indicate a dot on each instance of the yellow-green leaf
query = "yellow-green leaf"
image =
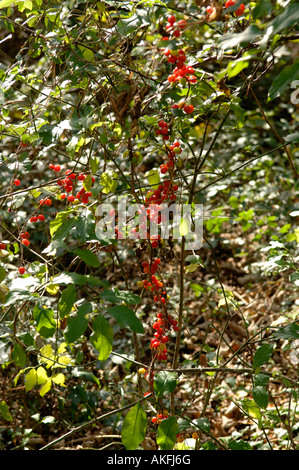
(30, 380)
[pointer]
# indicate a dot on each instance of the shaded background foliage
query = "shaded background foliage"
(83, 85)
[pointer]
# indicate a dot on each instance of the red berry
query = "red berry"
(163, 169)
(34, 218)
(26, 242)
(22, 270)
(2, 246)
(240, 10)
(81, 177)
(17, 182)
(57, 168)
(41, 217)
(171, 19)
(189, 108)
(229, 3)
(71, 198)
(182, 23)
(48, 202)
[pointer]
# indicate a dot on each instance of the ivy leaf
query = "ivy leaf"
(134, 427)
(167, 432)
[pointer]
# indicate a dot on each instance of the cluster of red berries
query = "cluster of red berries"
(211, 11)
(163, 130)
(182, 73)
(159, 417)
(68, 184)
(162, 326)
(187, 108)
(25, 238)
(174, 27)
(239, 11)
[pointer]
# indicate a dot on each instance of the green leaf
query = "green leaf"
(67, 300)
(102, 337)
(239, 445)
(125, 317)
(30, 380)
(251, 408)
(260, 396)
(4, 411)
(288, 332)
(167, 432)
(261, 380)
(88, 257)
(281, 82)
(18, 355)
(77, 324)
(229, 41)
(5, 3)
(134, 427)
(153, 177)
(58, 223)
(165, 382)
(262, 355)
(44, 319)
(74, 278)
(116, 296)
(287, 18)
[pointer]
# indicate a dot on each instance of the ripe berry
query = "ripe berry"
(17, 182)
(41, 217)
(189, 108)
(26, 242)
(71, 198)
(34, 218)
(2, 246)
(163, 169)
(171, 19)
(22, 270)
(48, 202)
(57, 168)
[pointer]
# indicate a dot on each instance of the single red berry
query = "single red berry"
(41, 217)
(171, 19)
(71, 198)
(229, 3)
(48, 202)
(22, 270)
(57, 168)
(62, 196)
(163, 169)
(189, 108)
(240, 10)
(26, 242)
(2, 246)
(81, 177)
(17, 182)
(182, 23)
